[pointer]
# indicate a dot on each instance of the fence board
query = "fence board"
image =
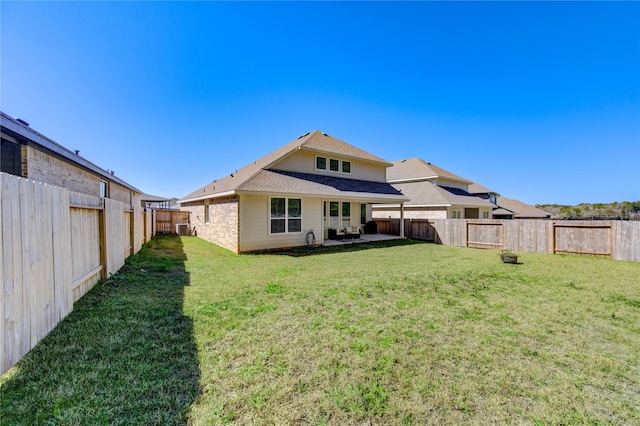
(62, 255)
(114, 229)
(26, 224)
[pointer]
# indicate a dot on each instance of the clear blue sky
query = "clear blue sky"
(537, 101)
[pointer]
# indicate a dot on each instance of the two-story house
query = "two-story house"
(315, 183)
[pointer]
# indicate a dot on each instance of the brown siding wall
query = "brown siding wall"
(46, 168)
(222, 228)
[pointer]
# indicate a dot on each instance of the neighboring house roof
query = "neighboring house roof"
(154, 198)
(259, 177)
(520, 209)
(502, 212)
(426, 194)
(476, 188)
(26, 132)
(416, 169)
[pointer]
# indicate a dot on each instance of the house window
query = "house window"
(334, 165)
(346, 167)
(485, 214)
(321, 163)
(456, 214)
(334, 214)
(206, 211)
(363, 214)
(10, 157)
(285, 215)
(104, 189)
(346, 214)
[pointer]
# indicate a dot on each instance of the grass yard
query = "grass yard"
(396, 333)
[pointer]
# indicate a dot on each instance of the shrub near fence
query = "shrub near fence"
(617, 239)
(55, 246)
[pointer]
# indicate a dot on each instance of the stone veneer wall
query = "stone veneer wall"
(46, 168)
(223, 225)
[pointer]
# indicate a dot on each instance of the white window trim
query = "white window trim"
(328, 164)
(453, 214)
(286, 216)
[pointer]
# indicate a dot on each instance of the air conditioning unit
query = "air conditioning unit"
(182, 229)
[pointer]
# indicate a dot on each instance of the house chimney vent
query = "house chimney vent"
(21, 121)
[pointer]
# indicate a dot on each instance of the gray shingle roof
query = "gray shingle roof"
(278, 181)
(35, 137)
(520, 209)
(428, 194)
(416, 168)
(315, 141)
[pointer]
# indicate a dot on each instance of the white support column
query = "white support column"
(402, 220)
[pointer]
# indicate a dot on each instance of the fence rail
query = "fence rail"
(55, 246)
(619, 240)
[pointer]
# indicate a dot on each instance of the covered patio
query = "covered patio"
(364, 238)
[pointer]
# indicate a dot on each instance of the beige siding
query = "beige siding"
(254, 219)
(305, 162)
(411, 213)
(222, 228)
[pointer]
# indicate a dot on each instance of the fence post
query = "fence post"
(102, 232)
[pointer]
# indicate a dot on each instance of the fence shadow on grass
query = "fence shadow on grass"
(126, 354)
(349, 247)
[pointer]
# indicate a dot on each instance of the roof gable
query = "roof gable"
(415, 169)
(315, 141)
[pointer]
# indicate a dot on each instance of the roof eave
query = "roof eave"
(39, 139)
(207, 196)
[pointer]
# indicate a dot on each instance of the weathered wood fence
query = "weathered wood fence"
(55, 246)
(616, 239)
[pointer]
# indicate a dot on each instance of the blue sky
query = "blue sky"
(537, 101)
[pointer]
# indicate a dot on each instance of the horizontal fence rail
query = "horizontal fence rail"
(55, 246)
(619, 240)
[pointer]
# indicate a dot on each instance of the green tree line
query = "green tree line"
(625, 210)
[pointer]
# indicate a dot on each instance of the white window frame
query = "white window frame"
(456, 214)
(286, 216)
(326, 162)
(207, 212)
(104, 189)
(485, 214)
(328, 165)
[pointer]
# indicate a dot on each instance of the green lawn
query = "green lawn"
(395, 333)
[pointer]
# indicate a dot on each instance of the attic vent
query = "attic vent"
(21, 121)
(403, 161)
(326, 134)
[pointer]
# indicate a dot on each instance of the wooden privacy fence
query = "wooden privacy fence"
(617, 239)
(166, 220)
(55, 246)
